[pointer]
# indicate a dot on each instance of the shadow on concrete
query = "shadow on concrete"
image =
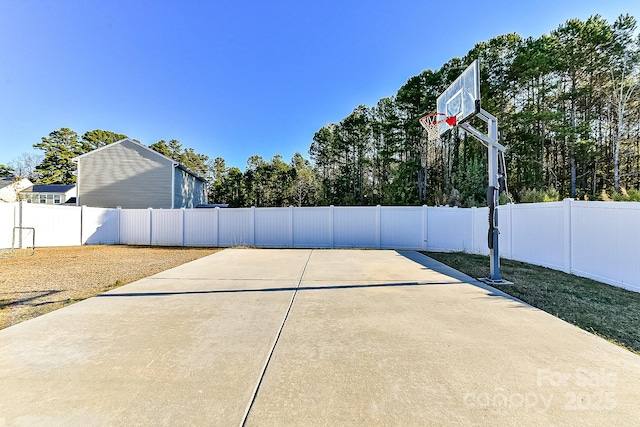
(285, 289)
(457, 278)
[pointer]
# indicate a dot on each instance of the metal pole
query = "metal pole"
(494, 253)
(493, 150)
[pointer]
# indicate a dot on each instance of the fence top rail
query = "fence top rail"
(607, 205)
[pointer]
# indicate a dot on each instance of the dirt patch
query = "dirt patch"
(32, 285)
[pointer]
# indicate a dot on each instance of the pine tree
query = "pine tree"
(60, 147)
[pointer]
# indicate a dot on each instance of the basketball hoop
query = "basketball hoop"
(431, 123)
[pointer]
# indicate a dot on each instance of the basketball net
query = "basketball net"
(431, 123)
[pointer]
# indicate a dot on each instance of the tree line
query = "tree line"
(568, 109)
(567, 106)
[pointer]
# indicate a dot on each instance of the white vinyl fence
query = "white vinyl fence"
(599, 240)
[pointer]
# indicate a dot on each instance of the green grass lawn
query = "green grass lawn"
(610, 312)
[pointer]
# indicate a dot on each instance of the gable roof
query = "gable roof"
(20, 183)
(4, 182)
(10, 187)
(175, 164)
(108, 146)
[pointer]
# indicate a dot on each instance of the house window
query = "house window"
(43, 198)
(56, 199)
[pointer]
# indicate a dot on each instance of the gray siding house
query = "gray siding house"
(133, 176)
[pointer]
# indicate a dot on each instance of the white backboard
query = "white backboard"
(462, 97)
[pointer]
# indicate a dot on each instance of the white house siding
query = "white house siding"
(189, 190)
(125, 174)
(9, 193)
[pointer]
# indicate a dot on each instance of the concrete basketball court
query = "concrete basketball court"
(311, 337)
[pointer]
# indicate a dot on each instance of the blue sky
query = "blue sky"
(232, 79)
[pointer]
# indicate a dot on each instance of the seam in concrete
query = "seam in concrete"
(273, 346)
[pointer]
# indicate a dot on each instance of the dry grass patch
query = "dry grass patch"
(54, 277)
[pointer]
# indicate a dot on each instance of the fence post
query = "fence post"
(378, 226)
(20, 223)
(473, 230)
(183, 226)
(291, 226)
(510, 230)
(425, 228)
(252, 231)
(118, 210)
(566, 229)
(217, 226)
(331, 212)
(81, 223)
(150, 226)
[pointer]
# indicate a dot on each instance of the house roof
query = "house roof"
(175, 164)
(7, 181)
(49, 188)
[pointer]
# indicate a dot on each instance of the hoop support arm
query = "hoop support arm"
(486, 116)
(484, 139)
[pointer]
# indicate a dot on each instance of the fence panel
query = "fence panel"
(355, 227)
(54, 225)
(538, 233)
(504, 224)
(523, 230)
(100, 226)
(167, 227)
(605, 242)
(273, 227)
(449, 229)
(313, 227)
(401, 227)
(479, 218)
(236, 227)
(201, 227)
(7, 222)
(135, 226)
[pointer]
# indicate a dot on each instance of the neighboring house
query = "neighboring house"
(50, 194)
(10, 187)
(131, 175)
